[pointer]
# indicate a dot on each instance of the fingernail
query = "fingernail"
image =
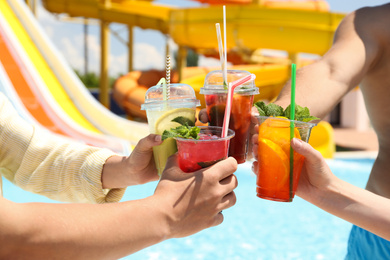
(297, 142)
(157, 138)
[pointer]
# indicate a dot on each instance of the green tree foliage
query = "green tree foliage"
(91, 80)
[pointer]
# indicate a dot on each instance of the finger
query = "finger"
(255, 167)
(223, 168)
(146, 144)
(218, 219)
(312, 156)
(254, 111)
(229, 200)
(203, 117)
(229, 183)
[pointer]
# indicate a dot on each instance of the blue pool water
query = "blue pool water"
(254, 228)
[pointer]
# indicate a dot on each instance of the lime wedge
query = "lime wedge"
(164, 122)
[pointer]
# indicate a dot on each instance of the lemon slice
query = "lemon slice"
(164, 122)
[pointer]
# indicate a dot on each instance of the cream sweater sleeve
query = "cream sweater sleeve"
(44, 163)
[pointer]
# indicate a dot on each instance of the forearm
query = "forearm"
(358, 206)
(115, 173)
(80, 231)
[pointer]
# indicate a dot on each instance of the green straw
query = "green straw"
(292, 118)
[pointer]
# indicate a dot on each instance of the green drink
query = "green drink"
(161, 113)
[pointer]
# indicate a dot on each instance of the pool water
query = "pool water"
(254, 228)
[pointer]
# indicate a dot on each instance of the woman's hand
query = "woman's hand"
(138, 168)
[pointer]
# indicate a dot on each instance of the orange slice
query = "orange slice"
(274, 164)
(279, 132)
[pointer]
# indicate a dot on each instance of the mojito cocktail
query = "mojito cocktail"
(162, 113)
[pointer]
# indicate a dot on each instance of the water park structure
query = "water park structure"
(292, 26)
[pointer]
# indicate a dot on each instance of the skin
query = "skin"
(360, 56)
(319, 186)
(182, 204)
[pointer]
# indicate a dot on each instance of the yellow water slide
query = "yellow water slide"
(70, 89)
(250, 26)
(44, 70)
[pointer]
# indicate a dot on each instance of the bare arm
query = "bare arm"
(183, 204)
(320, 187)
(321, 85)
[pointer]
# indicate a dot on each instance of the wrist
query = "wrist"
(162, 213)
(114, 173)
(328, 194)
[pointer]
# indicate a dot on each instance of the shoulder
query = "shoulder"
(369, 19)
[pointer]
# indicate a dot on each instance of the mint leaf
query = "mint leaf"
(183, 121)
(268, 110)
(301, 113)
(310, 118)
(260, 105)
(183, 131)
(274, 110)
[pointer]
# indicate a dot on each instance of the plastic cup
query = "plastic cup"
(208, 150)
(240, 116)
(160, 112)
(273, 176)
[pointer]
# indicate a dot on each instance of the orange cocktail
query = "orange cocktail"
(273, 178)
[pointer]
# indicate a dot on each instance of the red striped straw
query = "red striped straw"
(231, 87)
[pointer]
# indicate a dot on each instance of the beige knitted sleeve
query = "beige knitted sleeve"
(44, 163)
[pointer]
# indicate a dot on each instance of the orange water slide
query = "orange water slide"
(129, 90)
(21, 85)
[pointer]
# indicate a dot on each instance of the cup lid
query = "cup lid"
(213, 83)
(180, 95)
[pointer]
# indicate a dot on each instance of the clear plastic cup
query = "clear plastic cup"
(208, 150)
(240, 118)
(273, 176)
(160, 113)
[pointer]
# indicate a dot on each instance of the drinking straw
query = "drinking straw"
(292, 118)
(231, 87)
(221, 54)
(225, 46)
(168, 76)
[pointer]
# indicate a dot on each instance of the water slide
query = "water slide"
(71, 86)
(38, 88)
(306, 28)
(292, 26)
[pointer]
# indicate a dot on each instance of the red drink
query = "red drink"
(240, 120)
(240, 117)
(208, 150)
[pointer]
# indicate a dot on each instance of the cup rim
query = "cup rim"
(229, 136)
(308, 124)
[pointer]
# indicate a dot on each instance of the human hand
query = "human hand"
(193, 201)
(138, 168)
(141, 161)
(203, 117)
(316, 174)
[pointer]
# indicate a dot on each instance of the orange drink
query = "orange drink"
(273, 178)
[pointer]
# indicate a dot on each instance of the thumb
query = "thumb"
(146, 144)
(312, 156)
